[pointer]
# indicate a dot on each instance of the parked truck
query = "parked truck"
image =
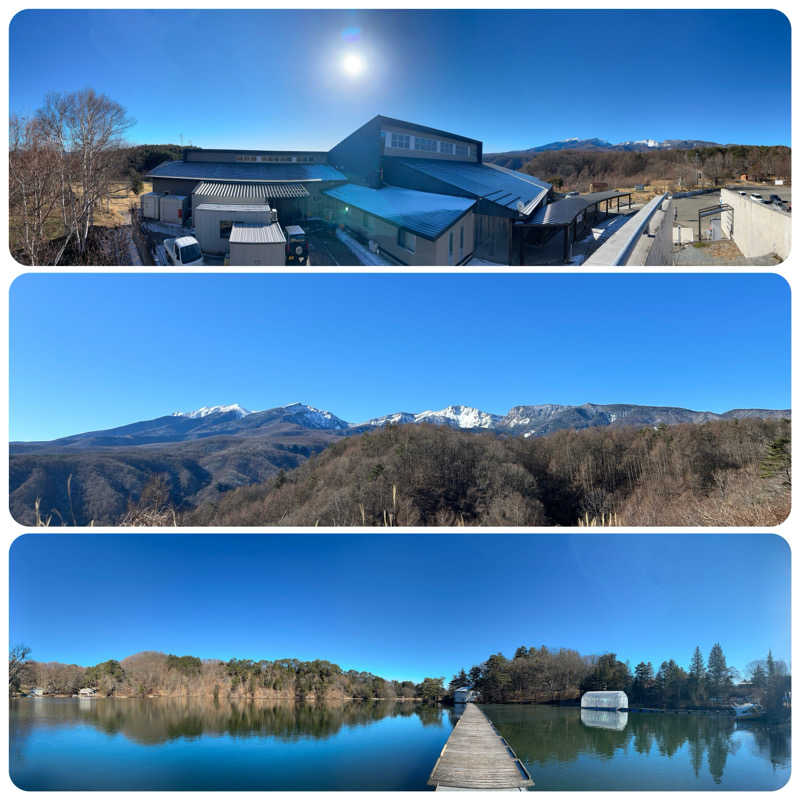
(183, 251)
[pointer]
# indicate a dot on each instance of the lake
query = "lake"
(194, 743)
(164, 743)
(567, 748)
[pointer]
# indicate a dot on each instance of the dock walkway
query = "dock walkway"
(475, 756)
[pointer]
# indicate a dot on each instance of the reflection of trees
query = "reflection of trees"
(542, 734)
(157, 720)
(773, 742)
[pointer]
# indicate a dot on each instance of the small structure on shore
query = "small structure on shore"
(37, 691)
(605, 701)
(464, 695)
(87, 692)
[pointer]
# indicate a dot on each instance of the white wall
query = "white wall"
(758, 230)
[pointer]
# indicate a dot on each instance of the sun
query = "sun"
(353, 64)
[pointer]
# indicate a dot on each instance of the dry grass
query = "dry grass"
(115, 210)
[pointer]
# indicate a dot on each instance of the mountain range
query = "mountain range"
(213, 449)
(639, 145)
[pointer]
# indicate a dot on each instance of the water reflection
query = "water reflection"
(544, 735)
(153, 721)
(610, 720)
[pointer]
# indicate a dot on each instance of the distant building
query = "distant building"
(598, 186)
(37, 691)
(464, 695)
(87, 692)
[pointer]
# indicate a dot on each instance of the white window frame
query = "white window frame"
(447, 148)
(424, 145)
(400, 137)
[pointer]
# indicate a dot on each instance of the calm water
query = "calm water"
(189, 744)
(566, 748)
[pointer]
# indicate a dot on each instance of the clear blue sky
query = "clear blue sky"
(513, 79)
(400, 605)
(90, 352)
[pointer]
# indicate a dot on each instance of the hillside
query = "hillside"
(731, 472)
(191, 459)
(575, 168)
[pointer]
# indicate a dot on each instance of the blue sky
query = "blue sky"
(513, 79)
(403, 606)
(90, 352)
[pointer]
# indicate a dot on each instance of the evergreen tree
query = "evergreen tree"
(778, 461)
(718, 676)
(696, 682)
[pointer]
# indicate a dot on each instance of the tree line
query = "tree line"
(575, 169)
(155, 673)
(542, 675)
(731, 472)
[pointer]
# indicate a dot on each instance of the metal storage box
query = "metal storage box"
(213, 222)
(151, 206)
(253, 245)
(174, 209)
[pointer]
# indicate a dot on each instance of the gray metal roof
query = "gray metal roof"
(423, 213)
(505, 187)
(251, 233)
(256, 191)
(216, 171)
(233, 207)
(562, 212)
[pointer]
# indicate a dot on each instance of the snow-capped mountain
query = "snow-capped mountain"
(207, 411)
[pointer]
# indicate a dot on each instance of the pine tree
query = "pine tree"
(718, 674)
(778, 461)
(697, 672)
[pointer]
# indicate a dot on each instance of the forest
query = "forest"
(732, 472)
(576, 169)
(542, 675)
(164, 674)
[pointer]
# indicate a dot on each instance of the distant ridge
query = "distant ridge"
(522, 420)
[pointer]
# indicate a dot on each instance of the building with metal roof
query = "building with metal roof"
(405, 154)
(398, 161)
(256, 245)
(411, 227)
(248, 172)
(423, 213)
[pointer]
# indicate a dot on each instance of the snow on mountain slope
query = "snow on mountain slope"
(207, 411)
(315, 417)
(460, 417)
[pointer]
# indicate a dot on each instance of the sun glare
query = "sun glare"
(353, 64)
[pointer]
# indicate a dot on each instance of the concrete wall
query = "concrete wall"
(758, 230)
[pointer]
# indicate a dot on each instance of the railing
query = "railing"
(629, 235)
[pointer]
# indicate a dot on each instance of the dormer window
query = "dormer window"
(401, 141)
(426, 145)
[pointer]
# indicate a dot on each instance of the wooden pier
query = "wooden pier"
(475, 756)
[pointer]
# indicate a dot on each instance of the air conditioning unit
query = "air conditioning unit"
(273, 215)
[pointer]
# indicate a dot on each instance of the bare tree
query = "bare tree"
(86, 129)
(17, 662)
(33, 186)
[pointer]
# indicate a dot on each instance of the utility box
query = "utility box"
(213, 223)
(174, 209)
(254, 245)
(151, 205)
